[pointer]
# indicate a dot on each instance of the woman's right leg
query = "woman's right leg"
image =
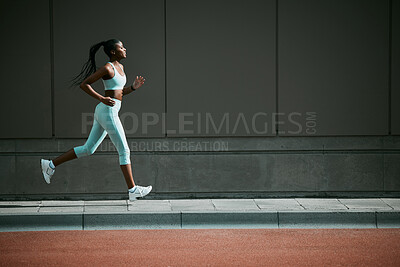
(96, 136)
(109, 120)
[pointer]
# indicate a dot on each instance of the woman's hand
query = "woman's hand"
(108, 101)
(138, 82)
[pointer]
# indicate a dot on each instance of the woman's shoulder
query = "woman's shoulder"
(107, 64)
(108, 67)
(107, 70)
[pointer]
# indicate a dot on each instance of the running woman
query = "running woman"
(106, 120)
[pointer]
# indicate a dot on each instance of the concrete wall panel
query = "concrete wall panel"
(26, 70)
(333, 61)
(395, 82)
(220, 64)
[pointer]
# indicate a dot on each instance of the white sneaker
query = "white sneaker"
(46, 170)
(140, 191)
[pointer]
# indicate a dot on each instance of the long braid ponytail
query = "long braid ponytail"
(90, 66)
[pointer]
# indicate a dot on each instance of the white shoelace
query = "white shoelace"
(141, 189)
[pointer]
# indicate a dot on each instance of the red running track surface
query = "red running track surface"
(203, 247)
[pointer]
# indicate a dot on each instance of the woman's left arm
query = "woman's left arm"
(136, 84)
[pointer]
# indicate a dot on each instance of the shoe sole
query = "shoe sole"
(44, 176)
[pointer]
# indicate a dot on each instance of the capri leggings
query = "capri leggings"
(106, 121)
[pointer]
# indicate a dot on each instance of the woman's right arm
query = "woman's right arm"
(86, 85)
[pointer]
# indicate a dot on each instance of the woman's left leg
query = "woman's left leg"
(96, 136)
(69, 155)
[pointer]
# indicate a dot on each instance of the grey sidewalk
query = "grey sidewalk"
(200, 213)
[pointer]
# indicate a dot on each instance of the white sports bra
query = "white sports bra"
(115, 83)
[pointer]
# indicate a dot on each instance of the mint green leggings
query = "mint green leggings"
(106, 121)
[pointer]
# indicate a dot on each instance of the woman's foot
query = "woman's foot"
(138, 191)
(47, 170)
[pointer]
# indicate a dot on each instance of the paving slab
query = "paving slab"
(278, 204)
(20, 203)
(321, 204)
(61, 209)
(106, 202)
(19, 210)
(365, 203)
(62, 203)
(191, 204)
(153, 202)
(234, 204)
(392, 202)
(150, 206)
(105, 209)
(201, 213)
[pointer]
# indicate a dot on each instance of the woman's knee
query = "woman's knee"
(82, 151)
(124, 156)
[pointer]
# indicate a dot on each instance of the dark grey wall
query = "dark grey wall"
(304, 67)
(334, 60)
(220, 60)
(395, 81)
(305, 94)
(26, 70)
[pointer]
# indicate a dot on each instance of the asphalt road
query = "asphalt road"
(203, 247)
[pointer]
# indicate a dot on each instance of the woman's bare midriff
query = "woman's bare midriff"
(114, 94)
